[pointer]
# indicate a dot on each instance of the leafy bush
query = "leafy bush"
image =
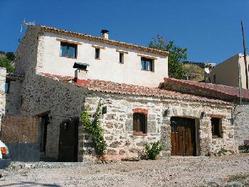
(95, 130)
(153, 149)
(6, 63)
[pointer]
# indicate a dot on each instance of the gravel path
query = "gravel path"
(174, 171)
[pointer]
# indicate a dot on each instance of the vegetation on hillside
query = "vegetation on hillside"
(193, 72)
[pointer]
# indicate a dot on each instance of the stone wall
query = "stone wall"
(36, 95)
(241, 124)
(118, 124)
(13, 97)
(60, 100)
(63, 100)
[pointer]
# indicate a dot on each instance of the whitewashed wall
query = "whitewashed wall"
(107, 68)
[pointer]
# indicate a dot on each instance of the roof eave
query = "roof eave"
(103, 40)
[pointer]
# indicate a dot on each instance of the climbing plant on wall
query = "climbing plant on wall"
(93, 127)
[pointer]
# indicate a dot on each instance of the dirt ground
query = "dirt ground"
(174, 171)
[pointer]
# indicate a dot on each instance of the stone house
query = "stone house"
(62, 73)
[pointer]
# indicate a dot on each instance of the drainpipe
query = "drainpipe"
(244, 47)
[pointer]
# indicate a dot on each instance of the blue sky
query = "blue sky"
(209, 29)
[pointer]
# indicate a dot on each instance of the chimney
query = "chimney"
(105, 34)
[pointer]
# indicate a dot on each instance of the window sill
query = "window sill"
(217, 137)
(139, 134)
(68, 57)
(147, 70)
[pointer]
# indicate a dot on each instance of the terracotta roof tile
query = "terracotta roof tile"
(102, 40)
(209, 90)
(127, 89)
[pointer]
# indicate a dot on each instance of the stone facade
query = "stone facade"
(62, 99)
(241, 124)
(118, 124)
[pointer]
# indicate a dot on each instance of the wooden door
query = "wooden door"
(183, 136)
(68, 142)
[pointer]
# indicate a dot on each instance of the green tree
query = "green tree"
(10, 56)
(6, 61)
(176, 55)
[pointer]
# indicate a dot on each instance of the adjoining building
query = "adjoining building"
(231, 72)
(61, 73)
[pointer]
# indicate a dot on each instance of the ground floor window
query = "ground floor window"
(139, 123)
(216, 127)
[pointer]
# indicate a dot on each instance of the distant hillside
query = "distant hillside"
(193, 72)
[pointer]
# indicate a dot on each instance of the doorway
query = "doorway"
(43, 135)
(183, 136)
(68, 141)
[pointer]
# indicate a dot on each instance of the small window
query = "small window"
(7, 86)
(97, 53)
(68, 50)
(121, 57)
(216, 127)
(139, 123)
(147, 64)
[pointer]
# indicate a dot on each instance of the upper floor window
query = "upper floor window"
(121, 57)
(68, 50)
(139, 123)
(216, 127)
(147, 64)
(97, 53)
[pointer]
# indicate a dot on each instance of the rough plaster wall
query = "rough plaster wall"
(36, 94)
(106, 68)
(26, 53)
(230, 78)
(25, 64)
(241, 124)
(61, 100)
(118, 124)
(13, 98)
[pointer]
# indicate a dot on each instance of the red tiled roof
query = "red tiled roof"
(127, 89)
(101, 39)
(209, 90)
